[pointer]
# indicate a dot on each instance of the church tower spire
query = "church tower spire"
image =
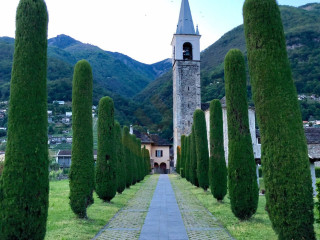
(185, 24)
(186, 74)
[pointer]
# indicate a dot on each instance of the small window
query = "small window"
(159, 153)
(259, 140)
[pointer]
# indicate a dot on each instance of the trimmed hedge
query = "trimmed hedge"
(217, 163)
(242, 177)
(25, 178)
(106, 177)
(286, 166)
(82, 163)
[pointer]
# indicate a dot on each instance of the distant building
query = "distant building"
(68, 114)
(64, 158)
(159, 149)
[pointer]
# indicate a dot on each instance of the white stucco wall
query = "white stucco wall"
(252, 124)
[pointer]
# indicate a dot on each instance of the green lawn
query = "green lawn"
(62, 223)
(258, 227)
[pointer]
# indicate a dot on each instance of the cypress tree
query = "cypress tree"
(178, 159)
(127, 156)
(121, 166)
(217, 163)
(187, 158)
(133, 159)
(183, 156)
(24, 182)
(139, 160)
(193, 167)
(82, 162)
(147, 158)
(285, 155)
(243, 187)
(200, 131)
(106, 182)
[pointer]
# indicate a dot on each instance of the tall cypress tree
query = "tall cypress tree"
(217, 163)
(187, 159)
(194, 162)
(24, 183)
(139, 160)
(82, 162)
(133, 160)
(178, 159)
(200, 131)
(121, 166)
(243, 187)
(183, 156)
(285, 155)
(147, 159)
(127, 156)
(106, 177)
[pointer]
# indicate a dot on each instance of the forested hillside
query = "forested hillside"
(115, 74)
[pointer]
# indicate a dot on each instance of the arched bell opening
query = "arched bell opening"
(187, 51)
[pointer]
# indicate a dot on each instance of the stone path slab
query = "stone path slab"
(163, 221)
(199, 222)
(127, 223)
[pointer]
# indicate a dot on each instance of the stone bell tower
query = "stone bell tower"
(186, 75)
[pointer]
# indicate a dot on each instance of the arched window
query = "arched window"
(187, 51)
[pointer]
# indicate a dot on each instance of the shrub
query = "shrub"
(286, 166)
(200, 131)
(81, 176)
(217, 163)
(106, 182)
(55, 175)
(242, 178)
(24, 207)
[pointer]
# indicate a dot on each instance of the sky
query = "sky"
(141, 29)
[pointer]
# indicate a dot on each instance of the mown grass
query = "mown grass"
(64, 225)
(258, 227)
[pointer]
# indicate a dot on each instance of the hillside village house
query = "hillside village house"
(63, 158)
(159, 149)
(312, 136)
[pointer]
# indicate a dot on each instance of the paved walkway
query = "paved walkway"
(127, 223)
(174, 214)
(199, 222)
(163, 221)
